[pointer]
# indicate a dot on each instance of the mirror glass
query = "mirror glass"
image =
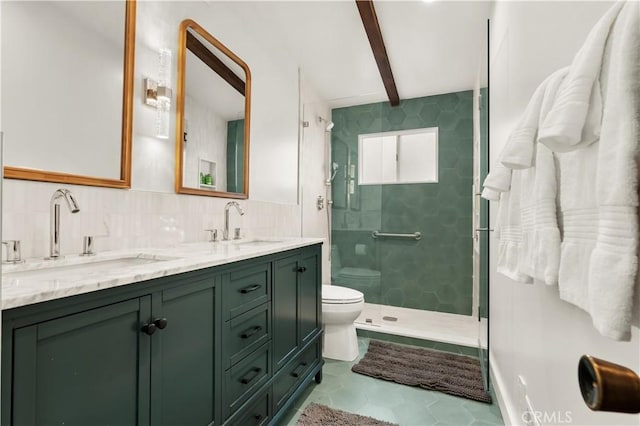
(66, 69)
(213, 117)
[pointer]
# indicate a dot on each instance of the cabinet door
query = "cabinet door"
(310, 303)
(85, 369)
(183, 355)
(285, 310)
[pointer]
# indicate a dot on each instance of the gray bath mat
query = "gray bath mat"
(321, 415)
(454, 374)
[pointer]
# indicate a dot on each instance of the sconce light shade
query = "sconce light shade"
(157, 94)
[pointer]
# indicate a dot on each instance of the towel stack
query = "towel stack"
(567, 179)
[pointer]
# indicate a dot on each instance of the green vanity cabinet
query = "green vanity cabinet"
(131, 355)
(285, 310)
(297, 325)
(197, 348)
(183, 355)
(83, 369)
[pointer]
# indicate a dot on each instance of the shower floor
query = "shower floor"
(428, 325)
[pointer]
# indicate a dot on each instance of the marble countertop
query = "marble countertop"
(41, 280)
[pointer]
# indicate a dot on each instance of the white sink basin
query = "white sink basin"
(76, 267)
(255, 243)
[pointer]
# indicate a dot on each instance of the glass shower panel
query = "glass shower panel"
(482, 232)
(357, 213)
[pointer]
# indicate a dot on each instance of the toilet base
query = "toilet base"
(340, 342)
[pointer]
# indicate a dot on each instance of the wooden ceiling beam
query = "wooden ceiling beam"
(372, 28)
(213, 62)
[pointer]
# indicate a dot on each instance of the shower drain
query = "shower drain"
(392, 319)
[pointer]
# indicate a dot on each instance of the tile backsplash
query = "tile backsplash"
(122, 219)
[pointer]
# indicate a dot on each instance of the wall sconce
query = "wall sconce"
(158, 94)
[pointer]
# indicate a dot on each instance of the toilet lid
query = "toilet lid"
(337, 294)
(349, 272)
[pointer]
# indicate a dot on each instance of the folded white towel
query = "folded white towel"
(540, 254)
(614, 263)
(578, 220)
(578, 100)
(509, 233)
(498, 179)
(518, 152)
(490, 194)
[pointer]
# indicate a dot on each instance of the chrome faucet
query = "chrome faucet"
(54, 211)
(225, 231)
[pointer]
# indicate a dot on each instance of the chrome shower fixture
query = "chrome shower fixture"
(335, 166)
(329, 123)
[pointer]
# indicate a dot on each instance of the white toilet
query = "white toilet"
(340, 308)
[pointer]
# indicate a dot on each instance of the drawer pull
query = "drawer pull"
(296, 373)
(149, 329)
(250, 331)
(161, 323)
(250, 288)
(255, 372)
(301, 269)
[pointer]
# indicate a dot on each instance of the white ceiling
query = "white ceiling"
(433, 47)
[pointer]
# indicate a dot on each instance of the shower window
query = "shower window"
(409, 156)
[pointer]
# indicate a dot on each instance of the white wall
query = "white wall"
(314, 148)
(534, 333)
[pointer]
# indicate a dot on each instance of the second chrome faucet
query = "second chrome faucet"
(225, 231)
(54, 211)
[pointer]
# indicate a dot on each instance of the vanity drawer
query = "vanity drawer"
(245, 333)
(244, 378)
(246, 288)
(293, 373)
(255, 413)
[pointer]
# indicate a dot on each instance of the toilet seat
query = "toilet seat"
(349, 272)
(333, 294)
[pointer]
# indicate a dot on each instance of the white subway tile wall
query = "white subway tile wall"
(123, 219)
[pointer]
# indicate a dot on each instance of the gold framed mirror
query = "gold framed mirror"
(213, 117)
(68, 121)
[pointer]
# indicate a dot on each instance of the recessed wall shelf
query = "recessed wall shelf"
(207, 174)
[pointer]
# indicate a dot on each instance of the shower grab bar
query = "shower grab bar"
(377, 234)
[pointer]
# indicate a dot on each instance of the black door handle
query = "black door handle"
(251, 376)
(161, 323)
(301, 269)
(258, 417)
(149, 329)
(250, 331)
(250, 288)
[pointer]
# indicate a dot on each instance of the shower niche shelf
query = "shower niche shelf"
(207, 174)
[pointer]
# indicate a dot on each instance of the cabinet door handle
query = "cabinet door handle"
(161, 323)
(302, 269)
(250, 288)
(251, 376)
(149, 329)
(296, 373)
(250, 331)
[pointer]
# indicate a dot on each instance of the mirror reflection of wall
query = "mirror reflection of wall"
(62, 86)
(214, 111)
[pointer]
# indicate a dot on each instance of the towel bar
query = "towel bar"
(377, 234)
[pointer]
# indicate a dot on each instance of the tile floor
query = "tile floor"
(405, 405)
